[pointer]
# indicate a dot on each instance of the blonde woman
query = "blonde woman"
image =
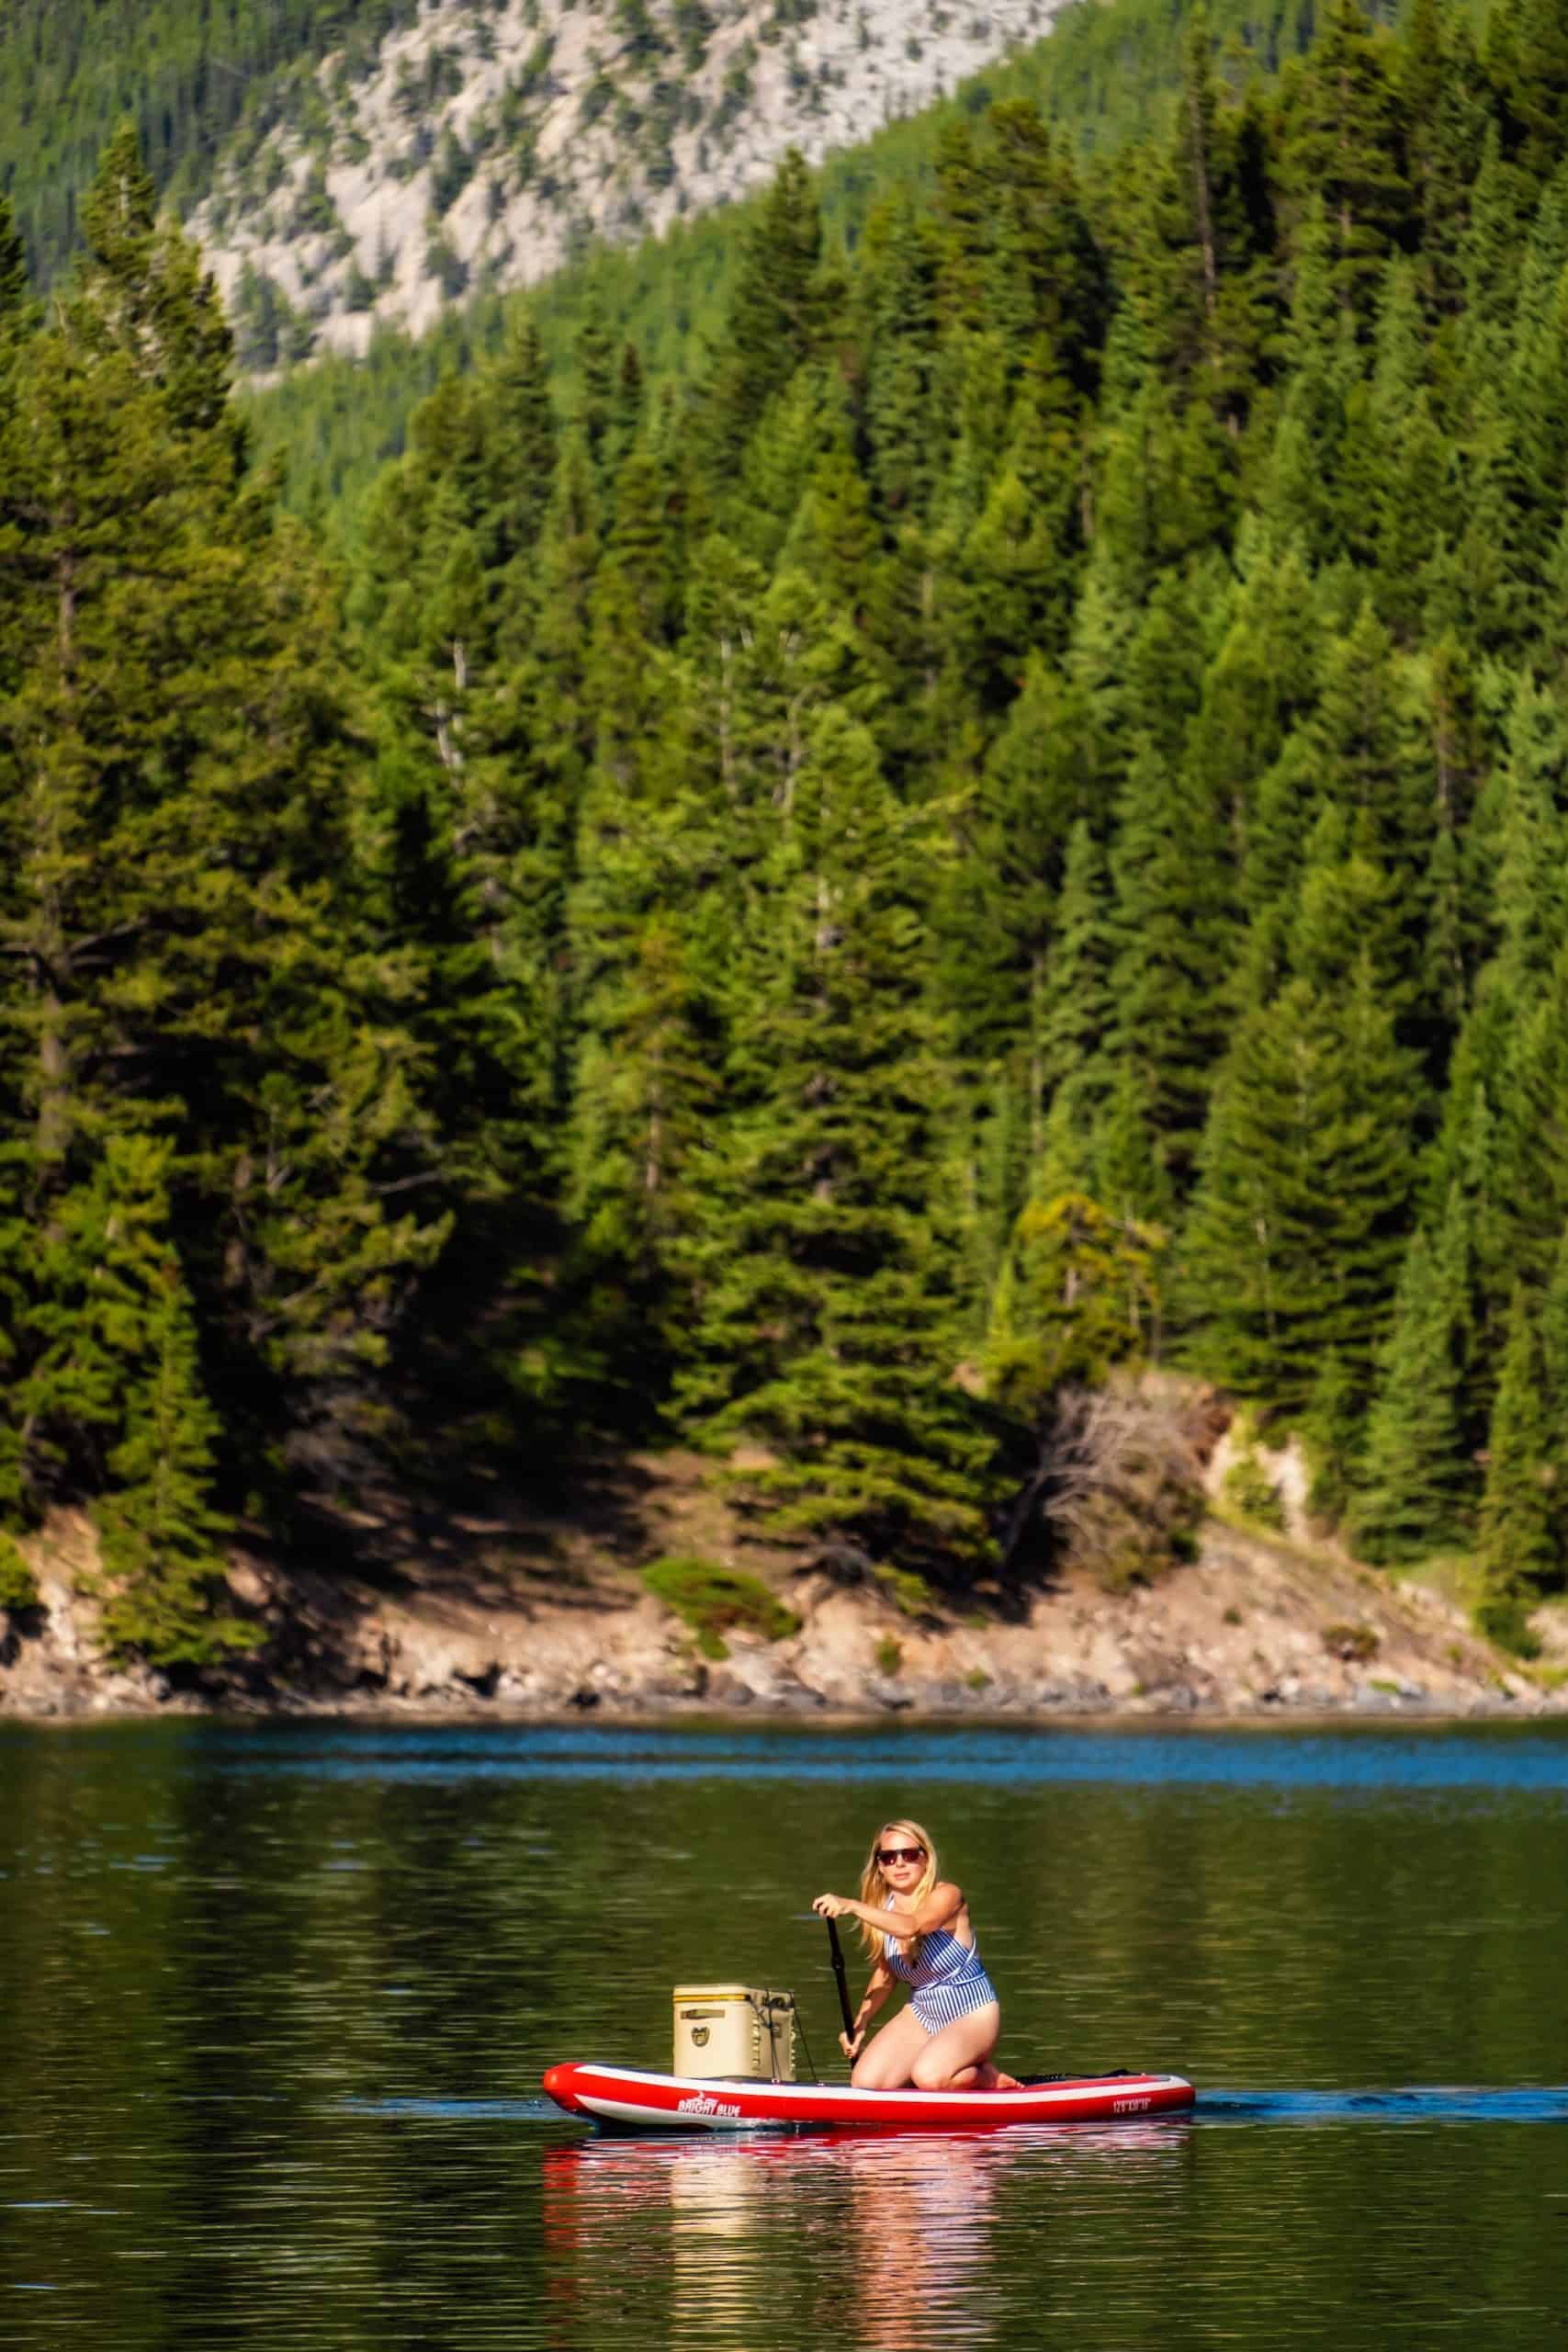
(916, 1926)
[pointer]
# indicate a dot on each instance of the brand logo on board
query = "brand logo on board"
(703, 2105)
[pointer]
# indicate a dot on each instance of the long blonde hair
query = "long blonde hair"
(875, 1891)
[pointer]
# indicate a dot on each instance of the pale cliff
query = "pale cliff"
(487, 144)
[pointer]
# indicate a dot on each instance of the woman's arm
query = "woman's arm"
(943, 1903)
(879, 1985)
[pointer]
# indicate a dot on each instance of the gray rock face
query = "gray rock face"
(1253, 1627)
(487, 146)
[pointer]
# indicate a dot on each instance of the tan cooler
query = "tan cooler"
(734, 2029)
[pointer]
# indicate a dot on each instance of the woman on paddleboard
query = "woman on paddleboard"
(916, 1926)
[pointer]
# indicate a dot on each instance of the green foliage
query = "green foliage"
(1416, 1479)
(207, 1083)
(822, 1326)
(910, 1593)
(1076, 1296)
(1252, 1493)
(1505, 1619)
(1520, 1509)
(18, 1585)
(1298, 1218)
(160, 1535)
(713, 1600)
(889, 1656)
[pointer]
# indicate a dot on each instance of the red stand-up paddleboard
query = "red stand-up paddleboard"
(626, 2098)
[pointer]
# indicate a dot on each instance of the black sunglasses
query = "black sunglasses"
(887, 1854)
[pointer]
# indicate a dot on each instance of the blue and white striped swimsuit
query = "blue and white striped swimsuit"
(948, 1978)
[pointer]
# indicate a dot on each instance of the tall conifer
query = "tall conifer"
(823, 1332)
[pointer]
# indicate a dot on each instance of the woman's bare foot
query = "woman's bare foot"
(992, 2078)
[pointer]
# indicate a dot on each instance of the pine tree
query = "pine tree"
(1519, 1546)
(1343, 146)
(1073, 1072)
(1177, 942)
(141, 293)
(906, 426)
(775, 314)
(161, 1537)
(963, 226)
(1046, 272)
(1292, 1247)
(996, 909)
(1527, 57)
(521, 448)
(1416, 1488)
(180, 876)
(1078, 1296)
(1260, 679)
(1202, 253)
(109, 1398)
(1332, 1430)
(834, 538)
(17, 311)
(821, 1331)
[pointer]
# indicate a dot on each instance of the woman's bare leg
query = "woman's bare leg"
(956, 2058)
(887, 2061)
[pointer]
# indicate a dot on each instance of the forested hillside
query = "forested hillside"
(1015, 830)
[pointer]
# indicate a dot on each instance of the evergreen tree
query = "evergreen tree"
(1520, 1545)
(1174, 881)
(996, 909)
(821, 1328)
(775, 314)
(1417, 1483)
(905, 423)
(1344, 147)
(520, 447)
(1291, 1249)
(1528, 56)
(143, 295)
(180, 878)
(161, 1536)
(15, 307)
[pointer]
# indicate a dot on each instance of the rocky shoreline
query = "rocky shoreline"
(1255, 1628)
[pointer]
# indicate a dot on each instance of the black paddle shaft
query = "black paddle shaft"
(840, 1978)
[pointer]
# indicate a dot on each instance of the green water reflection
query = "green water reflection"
(275, 2008)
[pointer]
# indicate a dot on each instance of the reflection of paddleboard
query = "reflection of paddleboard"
(629, 2099)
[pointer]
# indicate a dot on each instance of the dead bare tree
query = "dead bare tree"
(1120, 1487)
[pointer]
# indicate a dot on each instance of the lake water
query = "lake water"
(276, 2002)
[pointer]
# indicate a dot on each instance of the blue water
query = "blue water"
(1488, 1760)
(278, 2000)
(1432, 2105)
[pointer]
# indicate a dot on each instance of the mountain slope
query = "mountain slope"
(188, 74)
(483, 146)
(1106, 72)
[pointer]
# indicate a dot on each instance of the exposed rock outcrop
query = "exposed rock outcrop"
(487, 144)
(1254, 1627)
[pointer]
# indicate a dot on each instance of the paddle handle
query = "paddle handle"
(840, 1978)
